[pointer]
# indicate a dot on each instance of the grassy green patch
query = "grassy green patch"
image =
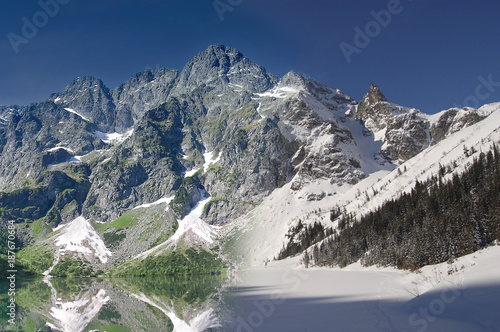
(33, 293)
(35, 258)
(39, 226)
(71, 266)
(112, 238)
(208, 206)
(108, 327)
(128, 219)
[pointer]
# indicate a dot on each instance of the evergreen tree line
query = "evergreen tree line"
(188, 262)
(436, 222)
(301, 237)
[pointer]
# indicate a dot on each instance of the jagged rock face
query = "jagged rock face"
(407, 131)
(32, 139)
(311, 115)
(451, 121)
(142, 92)
(143, 169)
(406, 135)
(220, 67)
(92, 99)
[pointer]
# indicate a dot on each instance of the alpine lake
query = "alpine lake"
(75, 304)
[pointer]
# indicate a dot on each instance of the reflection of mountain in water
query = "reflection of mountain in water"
(201, 322)
(74, 316)
(119, 304)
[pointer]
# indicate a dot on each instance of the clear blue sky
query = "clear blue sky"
(428, 56)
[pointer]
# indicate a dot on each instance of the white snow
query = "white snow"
(78, 159)
(209, 160)
(279, 92)
(487, 109)
(261, 232)
(75, 112)
(193, 222)
(427, 163)
(462, 296)
(191, 172)
(114, 138)
(80, 236)
(165, 200)
(58, 99)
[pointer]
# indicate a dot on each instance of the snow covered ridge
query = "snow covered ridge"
(427, 163)
(79, 236)
(165, 200)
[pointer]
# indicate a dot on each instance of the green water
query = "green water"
(114, 304)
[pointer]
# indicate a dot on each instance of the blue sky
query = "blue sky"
(427, 54)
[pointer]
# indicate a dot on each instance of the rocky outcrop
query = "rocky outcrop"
(407, 131)
(89, 97)
(451, 121)
(144, 91)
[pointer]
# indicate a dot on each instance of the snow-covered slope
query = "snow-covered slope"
(478, 137)
(261, 232)
(80, 236)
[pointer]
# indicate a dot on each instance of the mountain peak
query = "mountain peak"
(86, 81)
(375, 95)
(293, 79)
(220, 65)
(218, 56)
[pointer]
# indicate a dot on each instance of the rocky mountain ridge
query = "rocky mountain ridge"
(223, 126)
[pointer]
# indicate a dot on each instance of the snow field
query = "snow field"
(79, 236)
(461, 296)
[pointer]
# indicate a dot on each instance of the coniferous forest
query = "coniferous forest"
(436, 222)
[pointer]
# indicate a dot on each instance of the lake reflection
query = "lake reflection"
(187, 304)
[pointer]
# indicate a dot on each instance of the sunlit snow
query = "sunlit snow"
(113, 138)
(165, 200)
(191, 225)
(80, 236)
(209, 160)
(75, 112)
